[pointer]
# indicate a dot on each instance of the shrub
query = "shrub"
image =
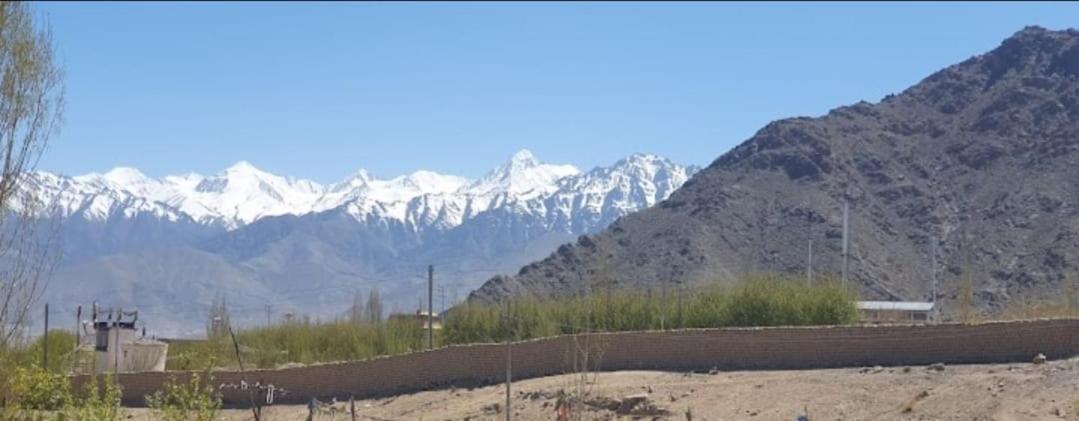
(33, 388)
(193, 400)
(195, 355)
(758, 301)
(33, 393)
(96, 403)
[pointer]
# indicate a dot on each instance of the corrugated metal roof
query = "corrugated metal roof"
(895, 305)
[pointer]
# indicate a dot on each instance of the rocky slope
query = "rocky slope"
(980, 157)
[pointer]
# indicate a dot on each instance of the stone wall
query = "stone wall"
(726, 349)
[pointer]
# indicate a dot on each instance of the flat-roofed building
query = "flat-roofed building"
(895, 311)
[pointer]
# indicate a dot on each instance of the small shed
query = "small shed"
(895, 311)
(117, 347)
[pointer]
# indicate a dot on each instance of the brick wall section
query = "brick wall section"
(729, 349)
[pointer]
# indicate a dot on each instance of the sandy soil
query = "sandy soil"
(968, 392)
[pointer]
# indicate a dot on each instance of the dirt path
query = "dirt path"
(972, 392)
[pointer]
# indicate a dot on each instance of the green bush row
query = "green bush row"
(759, 301)
(301, 342)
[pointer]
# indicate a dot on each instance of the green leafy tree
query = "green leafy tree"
(31, 102)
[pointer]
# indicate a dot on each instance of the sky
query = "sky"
(320, 90)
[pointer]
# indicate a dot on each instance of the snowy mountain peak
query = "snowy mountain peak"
(522, 174)
(242, 193)
(357, 180)
(644, 164)
(644, 157)
(125, 176)
(242, 167)
(432, 182)
(523, 158)
(362, 174)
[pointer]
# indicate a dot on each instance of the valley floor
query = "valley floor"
(965, 392)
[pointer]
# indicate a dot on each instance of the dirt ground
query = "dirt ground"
(964, 392)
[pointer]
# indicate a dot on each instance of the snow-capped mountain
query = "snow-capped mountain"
(237, 196)
(242, 193)
(522, 176)
(166, 245)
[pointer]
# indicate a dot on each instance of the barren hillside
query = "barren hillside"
(980, 158)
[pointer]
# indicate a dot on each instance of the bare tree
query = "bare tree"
(358, 313)
(217, 322)
(374, 306)
(31, 104)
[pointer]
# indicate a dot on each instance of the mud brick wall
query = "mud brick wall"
(727, 349)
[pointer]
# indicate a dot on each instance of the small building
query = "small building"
(421, 317)
(895, 311)
(116, 346)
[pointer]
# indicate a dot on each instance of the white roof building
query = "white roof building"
(895, 305)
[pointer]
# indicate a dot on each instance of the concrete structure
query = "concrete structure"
(117, 347)
(895, 311)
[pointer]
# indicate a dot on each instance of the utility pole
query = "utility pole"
(78, 327)
(933, 272)
(45, 341)
(430, 307)
(115, 334)
(663, 307)
(509, 361)
(256, 409)
(809, 234)
(846, 240)
(269, 313)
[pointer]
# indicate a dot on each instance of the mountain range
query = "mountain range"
(971, 174)
(275, 245)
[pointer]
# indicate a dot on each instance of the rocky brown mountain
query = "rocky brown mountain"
(981, 158)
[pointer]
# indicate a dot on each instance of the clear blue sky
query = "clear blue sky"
(320, 90)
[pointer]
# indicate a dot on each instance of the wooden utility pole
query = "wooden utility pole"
(933, 274)
(430, 307)
(846, 240)
(256, 409)
(78, 327)
(509, 361)
(45, 341)
(809, 234)
(663, 307)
